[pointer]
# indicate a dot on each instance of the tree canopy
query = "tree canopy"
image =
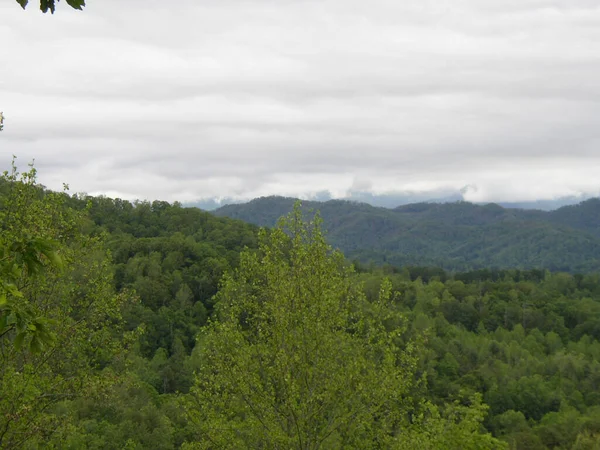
(149, 325)
(56, 304)
(298, 358)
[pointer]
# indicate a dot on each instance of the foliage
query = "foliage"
(476, 356)
(299, 359)
(173, 258)
(131, 415)
(528, 342)
(59, 313)
(24, 252)
(50, 5)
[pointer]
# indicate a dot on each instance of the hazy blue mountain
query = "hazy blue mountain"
(547, 205)
(455, 236)
(210, 204)
(395, 199)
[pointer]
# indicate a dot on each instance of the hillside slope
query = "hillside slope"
(455, 236)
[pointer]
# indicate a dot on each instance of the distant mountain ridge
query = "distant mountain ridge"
(395, 199)
(455, 236)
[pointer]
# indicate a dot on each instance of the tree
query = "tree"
(298, 358)
(24, 254)
(50, 5)
(56, 306)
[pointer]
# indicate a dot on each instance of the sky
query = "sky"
(237, 99)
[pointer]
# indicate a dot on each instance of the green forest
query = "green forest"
(458, 236)
(149, 325)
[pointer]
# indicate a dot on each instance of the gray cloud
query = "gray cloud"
(240, 98)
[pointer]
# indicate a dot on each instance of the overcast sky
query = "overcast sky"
(188, 99)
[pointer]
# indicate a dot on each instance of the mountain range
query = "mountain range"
(456, 236)
(399, 198)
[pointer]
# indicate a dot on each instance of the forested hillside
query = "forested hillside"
(146, 325)
(456, 236)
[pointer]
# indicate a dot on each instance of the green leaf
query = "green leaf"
(19, 340)
(23, 3)
(46, 5)
(11, 319)
(36, 345)
(12, 290)
(55, 259)
(77, 4)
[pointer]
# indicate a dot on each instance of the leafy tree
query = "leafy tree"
(59, 316)
(458, 426)
(129, 416)
(299, 359)
(587, 441)
(25, 251)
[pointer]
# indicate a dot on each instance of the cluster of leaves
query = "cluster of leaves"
(454, 236)
(24, 252)
(50, 5)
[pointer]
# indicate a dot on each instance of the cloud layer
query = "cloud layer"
(240, 98)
